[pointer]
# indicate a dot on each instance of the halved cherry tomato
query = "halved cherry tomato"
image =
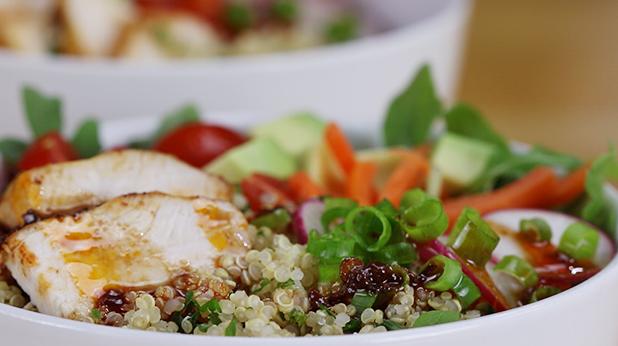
(210, 10)
(198, 144)
(266, 193)
(50, 148)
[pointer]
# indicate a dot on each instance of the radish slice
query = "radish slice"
(307, 218)
(558, 222)
(479, 276)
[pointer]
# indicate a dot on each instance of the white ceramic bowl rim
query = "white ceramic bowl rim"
(276, 61)
(489, 321)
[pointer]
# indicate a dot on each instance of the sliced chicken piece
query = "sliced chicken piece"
(25, 26)
(94, 26)
(173, 35)
(70, 186)
(65, 264)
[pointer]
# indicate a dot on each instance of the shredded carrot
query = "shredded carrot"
(527, 192)
(568, 188)
(411, 172)
(340, 147)
(303, 188)
(360, 185)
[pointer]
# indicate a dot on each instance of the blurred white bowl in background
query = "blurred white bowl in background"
(353, 80)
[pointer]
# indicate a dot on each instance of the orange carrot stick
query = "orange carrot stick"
(303, 188)
(527, 192)
(340, 147)
(359, 185)
(411, 172)
(568, 188)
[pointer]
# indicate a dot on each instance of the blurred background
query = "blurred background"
(546, 71)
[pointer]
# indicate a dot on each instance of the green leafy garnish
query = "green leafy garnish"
(285, 10)
(12, 150)
(238, 16)
(230, 330)
(431, 318)
(412, 113)
(466, 121)
(86, 139)
(298, 317)
(261, 285)
(353, 326)
(278, 220)
(177, 118)
(599, 209)
(288, 284)
(330, 248)
(44, 113)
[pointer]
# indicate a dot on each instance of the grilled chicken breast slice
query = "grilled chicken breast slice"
(66, 263)
(70, 186)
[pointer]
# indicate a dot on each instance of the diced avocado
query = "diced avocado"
(461, 160)
(296, 134)
(260, 155)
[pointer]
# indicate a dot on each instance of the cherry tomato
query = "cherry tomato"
(198, 144)
(266, 193)
(50, 148)
(209, 10)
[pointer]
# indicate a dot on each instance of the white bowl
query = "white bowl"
(583, 315)
(354, 80)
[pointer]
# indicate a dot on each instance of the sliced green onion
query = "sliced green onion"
(536, 229)
(86, 139)
(386, 207)
(285, 10)
(519, 269)
(412, 198)
(579, 242)
(400, 253)
(363, 300)
(278, 220)
(353, 326)
(369, 227)
(328, 272)
(472, 238)
(230, 330)
(392, 325)
(450, 276)
(335, 211)
(544, 292)
(431, 318)
(466, 292)
(426, 221)
(238, 16)
(330, 249)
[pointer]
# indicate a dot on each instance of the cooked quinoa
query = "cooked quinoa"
(266, 293)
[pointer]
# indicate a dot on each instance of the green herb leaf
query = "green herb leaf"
(262, 285)
(353, 326)
(230, 330)
(12, 150)
(44, 113)
(288, 284)
(431, 318)
(466, 121)
(412, 113)
(182, 116)
(86, 140)
(298, 317)
(278, 220)
(599, 209)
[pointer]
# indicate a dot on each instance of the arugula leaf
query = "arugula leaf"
(177, 118)
(600, 210)
(44, 113)
(86, 139)
(467, 121)
(411, 114)
(431, 318)
(515, 166)
(12, 150)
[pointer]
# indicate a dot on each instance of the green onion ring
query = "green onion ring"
(451, 273)
(365, 224)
